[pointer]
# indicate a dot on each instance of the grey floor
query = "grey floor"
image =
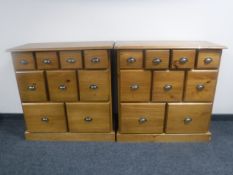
(18, 156)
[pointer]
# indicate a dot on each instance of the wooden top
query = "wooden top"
(63, 46)
(167, 45)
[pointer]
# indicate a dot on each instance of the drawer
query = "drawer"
(71, 59)
(31, 86)
(23, 61)
(62, 85)
(167, 85)
(142, 117)
(96, 59)
(188, 117)
(89, 117)
(200, 85)
(45, 117)
(135, 85)
(209, 59)
(47, 60)
(183, 59)
(94, 85)
(131, 59)
(157, 59)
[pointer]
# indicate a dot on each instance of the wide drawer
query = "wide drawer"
(71, 59)
(157, 59)
(96, 59)
(130, 59)
(183, 59)
(208, 59)
(23, 61)
(47, 60)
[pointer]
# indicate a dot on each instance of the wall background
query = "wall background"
(78, 20)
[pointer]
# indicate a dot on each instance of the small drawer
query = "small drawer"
(94, 85)
(96, 59)
(23, 61)
(208, 59)
(62, 85)
(31, 86)
(157, 59)
(71, 59)
(45, 117)
(142, 117)
(47, 60)
(135, 85)
(183, 59)
(200, 85)
(130, 59)
(186, 118)
(167, 85)
(89, 117)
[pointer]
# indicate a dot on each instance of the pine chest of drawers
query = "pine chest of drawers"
(65, 89)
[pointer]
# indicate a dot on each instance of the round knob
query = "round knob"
(183, 60)
(23, 62)
(134, 86)
(167, 87)
(142, 120)
(95, 60)
(131, 60)
(62, 87)
(70, 60)
(47, 61)
(200, 87)
(187, 120)
(87, 119)
(45, 119)
(93, 86)
(156, 61)
(208, 60)
(31, 87)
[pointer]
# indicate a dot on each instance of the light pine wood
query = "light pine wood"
(214, 54)
(102, 55)
(200, 114)
(131, 113)
(35, 112)
(204, 137)
(25, 79)
(23, 61)
(66, 78)
(51, 56)
(131, 77)
(98, 113)
(124, 55)
(100, 78)
(163, 78)
(163, 55)
(178, 54)
(75, 55)
(208, 78)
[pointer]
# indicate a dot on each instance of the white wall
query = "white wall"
(76, 20)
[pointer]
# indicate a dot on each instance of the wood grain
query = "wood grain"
(214, 54)
(101, 54)
(75, 55)
(51, 56)
(178, 54)
(163, 55)
(27, 57)
(124, 55)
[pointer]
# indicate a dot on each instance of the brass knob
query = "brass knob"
(131, 60)
(208, 60)
(62, 87)
(200, 87)
(167, 87)
(88, 119)
(71, 60)
(45, 119)
(156, 61)
(93, 86)
(183, 60)
(187, 120)
(142, 120)
(31, 87)
(23, 62)
(134, 86)
(47, 61)
(95, 60)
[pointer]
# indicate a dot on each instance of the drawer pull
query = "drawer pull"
(167, 87)
(32, 87)
(70, 60)
(134, 87)
(93, 86)
(142, 120)
(156, 61)
(24, 62)
(47, 61)
(87, 119)
(200, 87)
(95, 60)
(131, 60)
(187, 120)
(45, 119)
(62, 87)
(183, 60)
(208, 60)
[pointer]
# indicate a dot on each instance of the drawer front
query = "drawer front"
(135, 85)
(47, 60)
(62, 85)
(89, 117)
(45, 117)
(157, 59)
(200, 85)
(31, 86)
(188, 117)
(96, 59)
(94, 85)
(23, 61)
(71, 59)
(168, 85)
(142, 117)
(209, 59)
(183, 59)
(130, 59)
